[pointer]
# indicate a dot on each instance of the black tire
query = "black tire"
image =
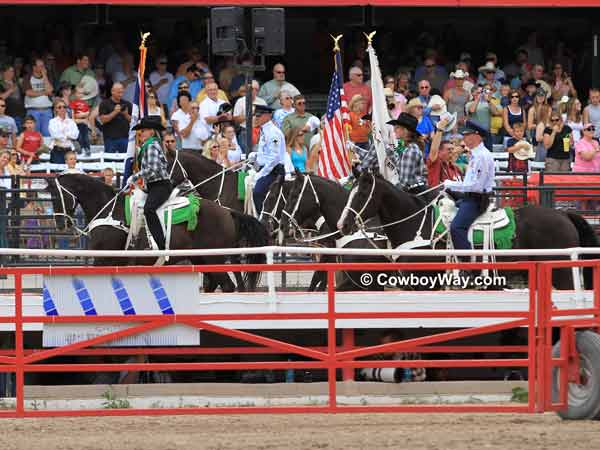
(583, 400)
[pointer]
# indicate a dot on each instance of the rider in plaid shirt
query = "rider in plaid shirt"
(407, 160)
(153, 170)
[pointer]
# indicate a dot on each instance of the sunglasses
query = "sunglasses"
(555, 119)
(280, 71)
(430, 66)
(162, 62)
(423, 87)
(183, 86)
(169, 142)
(590, 129)
(514, 96)
(214, 146)
(2, 106)
(60, 107)
(196, 107)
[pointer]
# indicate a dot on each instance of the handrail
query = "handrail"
(573, 251)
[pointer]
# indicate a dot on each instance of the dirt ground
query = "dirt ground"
(344, 431)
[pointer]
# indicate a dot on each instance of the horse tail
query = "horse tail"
(253, 234)
(587, 238)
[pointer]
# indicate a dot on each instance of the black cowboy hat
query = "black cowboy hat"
(262, 109)
(149, 123)
(405, 120)
(224, 108)
(472, 126)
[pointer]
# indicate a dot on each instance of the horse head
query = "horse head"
(273, 205)
(302, 203)
(64, 200)
(363, 203)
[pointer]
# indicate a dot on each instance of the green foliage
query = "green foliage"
(112, 402)
(519, 395)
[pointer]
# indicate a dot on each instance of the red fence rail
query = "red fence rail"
(540, 318)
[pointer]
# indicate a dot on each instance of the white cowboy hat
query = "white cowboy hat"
(459, 73)
(525, 152)
(451, 118)
(488, 67)
(436, 100)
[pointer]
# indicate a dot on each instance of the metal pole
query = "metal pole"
(249, 77)
(595, 65)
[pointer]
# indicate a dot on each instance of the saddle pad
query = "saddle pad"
(241, 184)
(503, 236)
(181, 214)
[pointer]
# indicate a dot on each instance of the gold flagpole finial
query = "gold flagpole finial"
(370, 37)
(336, 41)
(144, 37)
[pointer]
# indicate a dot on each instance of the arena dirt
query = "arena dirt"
(374, 431)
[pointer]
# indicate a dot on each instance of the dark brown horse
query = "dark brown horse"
(217, 227)
(537, 227)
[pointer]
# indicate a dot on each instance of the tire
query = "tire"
(583, 400)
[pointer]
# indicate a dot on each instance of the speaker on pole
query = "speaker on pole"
(227, 29)
(268, 31)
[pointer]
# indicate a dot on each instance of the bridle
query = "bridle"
(272, 215)
(291, 217)
(358, 220)
(61, 191)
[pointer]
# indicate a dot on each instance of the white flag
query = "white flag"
(383, 134)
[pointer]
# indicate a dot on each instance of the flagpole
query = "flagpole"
(137, 110)
(336, 49)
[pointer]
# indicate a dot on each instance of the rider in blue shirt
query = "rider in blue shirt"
(475, 190)
(270, 154)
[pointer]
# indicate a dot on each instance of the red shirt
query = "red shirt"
(438, 171)
(79, 106)
(350, 90)
(32, 141)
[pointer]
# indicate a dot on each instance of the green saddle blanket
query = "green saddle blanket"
(187, 214)
(503, 237)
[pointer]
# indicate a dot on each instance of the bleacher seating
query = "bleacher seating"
(92, 163)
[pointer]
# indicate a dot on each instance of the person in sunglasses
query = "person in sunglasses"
(587, 151)
(558, 141)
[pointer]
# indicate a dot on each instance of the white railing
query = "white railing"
(574, 252)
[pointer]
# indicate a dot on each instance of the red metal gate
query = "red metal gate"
(539, 319)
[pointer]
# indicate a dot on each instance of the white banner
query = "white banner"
(120, 295)
(383, 134)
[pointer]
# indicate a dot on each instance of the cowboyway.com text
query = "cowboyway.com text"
(433, 281)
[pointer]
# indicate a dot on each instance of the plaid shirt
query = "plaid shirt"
(409, 164)
(154, 164)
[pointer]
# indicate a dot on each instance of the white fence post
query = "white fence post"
(579, 299)
(271, 283)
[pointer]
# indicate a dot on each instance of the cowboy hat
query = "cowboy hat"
(524, 152)
(460, 74)
(436, 100)
(451, 118)
(405, 120)
(488, 67)
(473, 127)
(149, 123)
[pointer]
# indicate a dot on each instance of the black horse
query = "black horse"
(217, 227)
(536, 227)
(210, 178)
(312, 196)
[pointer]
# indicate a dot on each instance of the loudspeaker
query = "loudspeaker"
(268, 31)
(227, 28)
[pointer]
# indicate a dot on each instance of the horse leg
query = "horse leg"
(239, 278)
(221, 278)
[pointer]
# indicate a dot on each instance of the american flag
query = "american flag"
(333, 158)
(139, 110)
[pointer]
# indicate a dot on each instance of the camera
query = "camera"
(388, 375)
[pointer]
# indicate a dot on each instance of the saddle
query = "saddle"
(493, 217)
(165, 213)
